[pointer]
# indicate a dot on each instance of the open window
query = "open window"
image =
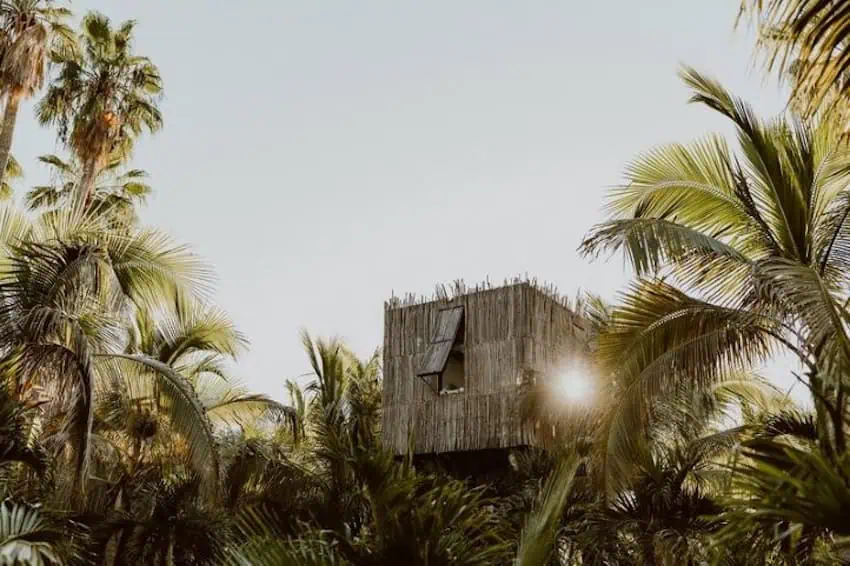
(442, 366)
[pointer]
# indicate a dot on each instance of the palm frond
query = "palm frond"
(194, 327)
(693, 186)
(793, 423)
(538, 540)
(807, 41)
(654, 246)
(808, 298)
(150, 266)
(662, 340)
(241, 407)
(780, 484)
(264, 546)
(767, 147)
(28, 536)
(185, 411)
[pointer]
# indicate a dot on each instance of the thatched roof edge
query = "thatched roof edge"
(458, 288)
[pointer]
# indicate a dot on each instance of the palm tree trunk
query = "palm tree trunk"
(10, 118)
(169, 557)
(87, 183)
(824, 415)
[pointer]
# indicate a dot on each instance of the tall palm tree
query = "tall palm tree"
(329, 413)
(103, 100)
(30, 30)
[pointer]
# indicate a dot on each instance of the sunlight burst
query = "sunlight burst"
(574, 387)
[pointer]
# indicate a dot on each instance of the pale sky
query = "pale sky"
(323, 154)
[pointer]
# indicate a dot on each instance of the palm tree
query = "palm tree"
(364, 399)
(151, 503)
(29, 537)
(416, 519)
(102, 101)
(30, 30)
(261, 473)
(761, 240)
(329, 422)
(738, 255)
(116, 192)
(189, 344)
(62, 286)
(807, 40)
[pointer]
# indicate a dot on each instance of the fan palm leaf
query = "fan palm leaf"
(95, 127)
(28, 537)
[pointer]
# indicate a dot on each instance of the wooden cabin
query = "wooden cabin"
(454, 365)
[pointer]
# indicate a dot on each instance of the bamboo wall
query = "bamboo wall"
(509, 330)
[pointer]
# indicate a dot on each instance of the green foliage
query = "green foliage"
(539, 537)
(28, 537)
(94, 127)
(806, 42)
(117, 191)
(120, 413)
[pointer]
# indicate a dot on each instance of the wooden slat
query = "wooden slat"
(434, 361)
(448, 323)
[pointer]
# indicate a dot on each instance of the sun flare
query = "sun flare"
(574, 387)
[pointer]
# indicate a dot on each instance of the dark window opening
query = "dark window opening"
(453, 377)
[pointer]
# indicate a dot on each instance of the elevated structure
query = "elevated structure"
(454, 365)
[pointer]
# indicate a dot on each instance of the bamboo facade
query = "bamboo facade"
(508, 332)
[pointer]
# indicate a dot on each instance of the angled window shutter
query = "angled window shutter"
(434, 361)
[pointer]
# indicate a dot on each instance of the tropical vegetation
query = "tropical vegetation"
(125, 437)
